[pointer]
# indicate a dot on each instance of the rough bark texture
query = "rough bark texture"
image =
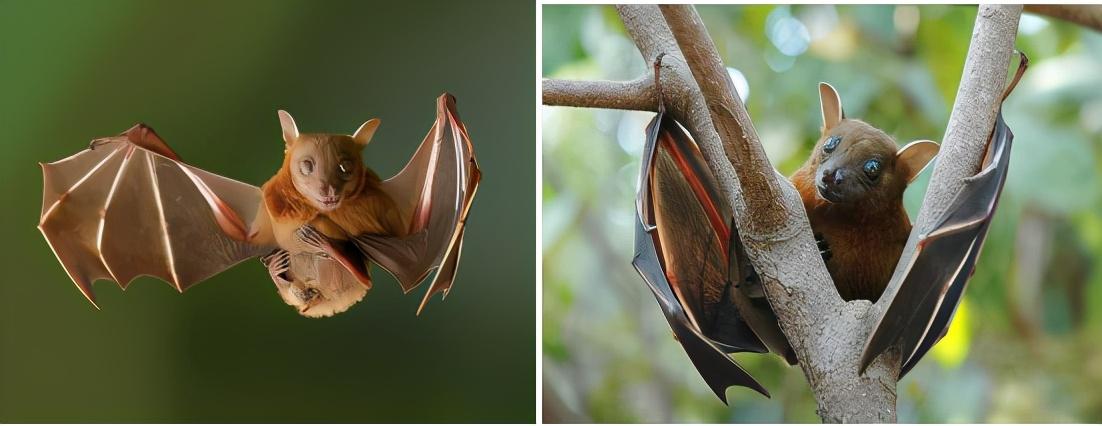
(827, 333)
(631, 95)
(1089, 16)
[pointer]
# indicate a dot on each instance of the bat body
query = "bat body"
(128, 206)
(852, 187)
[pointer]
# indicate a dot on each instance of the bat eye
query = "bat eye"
(831, 144)
(872, 168)
(346, 167)
(306, 167)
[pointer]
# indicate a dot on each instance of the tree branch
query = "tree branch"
(637, 95)
(1089, 16)
(741, 144)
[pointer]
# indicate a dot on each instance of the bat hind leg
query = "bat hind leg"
(337, 250)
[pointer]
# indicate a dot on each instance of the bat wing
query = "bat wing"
(689, 255)
(434, 190)
(942, 263)
(117, 211)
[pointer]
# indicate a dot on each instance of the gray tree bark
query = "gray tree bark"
(827, 333)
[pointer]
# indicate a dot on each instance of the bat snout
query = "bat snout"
(833, 177)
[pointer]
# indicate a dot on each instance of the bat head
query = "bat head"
(857, 164)
(326, 168)
(312, 287)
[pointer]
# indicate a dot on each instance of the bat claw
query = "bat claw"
(278, 263)
(96, 143)
(309, 235)
(824, 247)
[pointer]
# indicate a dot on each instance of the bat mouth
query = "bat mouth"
(328, 203)
(829, 194)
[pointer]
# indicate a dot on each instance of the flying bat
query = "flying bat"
(129, 206)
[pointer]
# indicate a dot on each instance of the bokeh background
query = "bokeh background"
(209, 77)
(1025, 344)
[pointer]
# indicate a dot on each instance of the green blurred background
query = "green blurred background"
(209, 77)
(1025, 344)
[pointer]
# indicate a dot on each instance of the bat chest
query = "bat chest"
(284, 232)
(861, 263)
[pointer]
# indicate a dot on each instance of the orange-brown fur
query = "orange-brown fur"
(367, 211)
(864, 245)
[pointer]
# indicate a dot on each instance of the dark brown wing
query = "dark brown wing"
(942, 263)
(688, 256)
(434, 190)
(117, 211)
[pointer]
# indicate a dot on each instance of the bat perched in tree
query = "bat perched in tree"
(689, 253)
(927, 290)
(128, 206)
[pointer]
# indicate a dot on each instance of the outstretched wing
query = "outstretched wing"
(117, 211)
(435, 191)
(689, 256)
(942, 263)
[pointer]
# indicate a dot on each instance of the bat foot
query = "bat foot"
(310, 236)
(278, 263)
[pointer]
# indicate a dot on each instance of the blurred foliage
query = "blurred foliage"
(1025, 345)
(209, 77)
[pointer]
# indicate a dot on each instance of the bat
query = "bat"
(129, 206)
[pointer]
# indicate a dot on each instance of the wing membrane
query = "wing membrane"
(118, 211)
(943, 261)
(688, 253)
(435, 190)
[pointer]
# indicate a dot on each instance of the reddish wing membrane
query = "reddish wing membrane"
(687, 255)
(118, 211)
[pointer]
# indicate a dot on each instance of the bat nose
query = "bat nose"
(834, 177)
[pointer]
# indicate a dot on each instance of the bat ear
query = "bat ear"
(366, 131)
(915, 156)
(831, 105)
(290, 130)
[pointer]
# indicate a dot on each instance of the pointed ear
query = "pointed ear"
(366, 131)
(290, 130)
(831, 105)
(914, 157)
